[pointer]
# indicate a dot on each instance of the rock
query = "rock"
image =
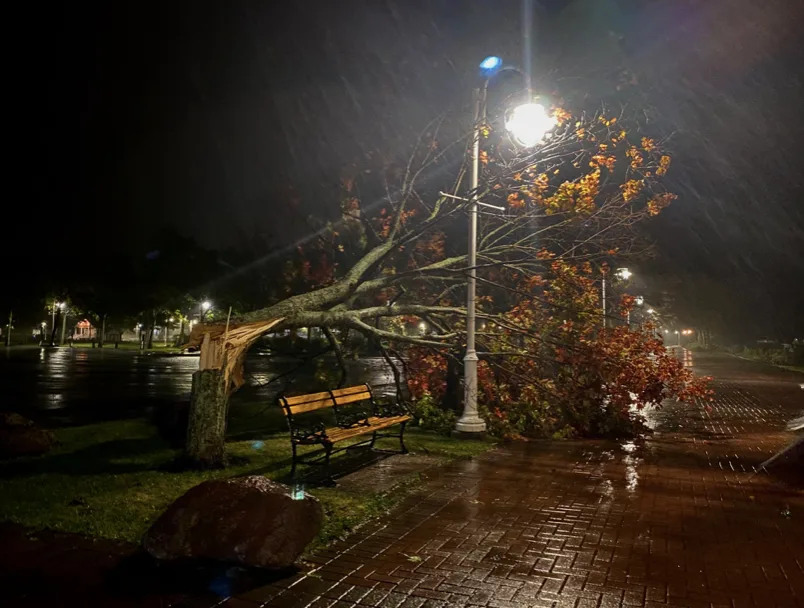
(21, 437)
(249, 520)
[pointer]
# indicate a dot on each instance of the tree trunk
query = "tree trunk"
(102, 335)
(453, 392)
(206, 428)
(151, 330)
(56, 320)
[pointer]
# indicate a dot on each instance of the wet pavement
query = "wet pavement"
(69, 386)
(679, 519)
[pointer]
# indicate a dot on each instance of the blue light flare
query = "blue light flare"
(491, 64)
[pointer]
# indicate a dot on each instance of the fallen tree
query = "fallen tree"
(576, 198)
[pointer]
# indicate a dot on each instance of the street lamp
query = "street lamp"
(205, 306)
(528, 124)
(623, 274)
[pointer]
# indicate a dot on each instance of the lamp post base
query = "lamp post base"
(477, 435)
(473, 427)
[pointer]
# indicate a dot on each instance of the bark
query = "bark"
(206, 428)
(333, 342)
(55, 321)
(102, 335)
(151, 326)
(453, 393)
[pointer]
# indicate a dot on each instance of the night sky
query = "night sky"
(203, 114)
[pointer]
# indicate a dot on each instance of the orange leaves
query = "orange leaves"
(636, 157)
(659, 202)
(561, 116)
(603, 160)
(484, 157)
(631, 189)
(664, 165)
(648, 144)
(580, 132)
(515, 201)
(576, 196)
(536, 281)
(607, 122)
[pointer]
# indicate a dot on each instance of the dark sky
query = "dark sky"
(201, 113)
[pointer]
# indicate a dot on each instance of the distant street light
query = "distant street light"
(650, 311)
(528, 124)
(623, 274)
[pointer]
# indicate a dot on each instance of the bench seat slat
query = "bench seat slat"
(375, 424)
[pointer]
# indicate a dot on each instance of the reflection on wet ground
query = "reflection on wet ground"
(78, 386)
(676, 519)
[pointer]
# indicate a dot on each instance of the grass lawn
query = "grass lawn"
(110, 479)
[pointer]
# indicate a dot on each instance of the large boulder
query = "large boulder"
(21, 437)
(249, 520)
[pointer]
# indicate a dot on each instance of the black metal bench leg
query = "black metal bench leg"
(373, 439)
(328, 449)
(293, 463)
(402, 438)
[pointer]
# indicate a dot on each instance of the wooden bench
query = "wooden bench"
(352, 419)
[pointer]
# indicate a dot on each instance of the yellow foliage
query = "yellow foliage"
(636, 157)
(631, 189)
(659, 202)
(664, 165)
(561, 116)
(648, 144)
(603, 160)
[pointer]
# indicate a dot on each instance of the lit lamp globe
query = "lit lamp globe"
(529, 123)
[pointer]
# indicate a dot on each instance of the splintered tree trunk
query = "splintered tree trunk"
(206, 428)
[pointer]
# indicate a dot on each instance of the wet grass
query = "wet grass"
(113, 479)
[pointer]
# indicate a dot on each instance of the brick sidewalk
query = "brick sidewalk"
(677, 520)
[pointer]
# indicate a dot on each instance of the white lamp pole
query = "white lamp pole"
(470, 423)
(528, 124)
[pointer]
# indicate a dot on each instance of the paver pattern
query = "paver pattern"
(678, 519)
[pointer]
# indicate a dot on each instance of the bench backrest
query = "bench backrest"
(306, 403)
(316, 401)
(352, 394)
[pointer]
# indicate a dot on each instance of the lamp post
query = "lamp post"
(527, 124)
(623, 274)
(63, 323)
(205, 306)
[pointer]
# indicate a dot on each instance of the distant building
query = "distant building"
(83, 331)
